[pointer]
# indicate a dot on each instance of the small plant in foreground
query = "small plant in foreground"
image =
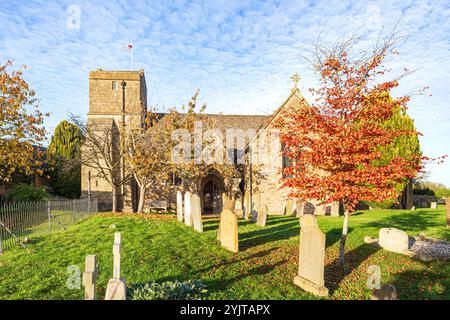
(170, 290)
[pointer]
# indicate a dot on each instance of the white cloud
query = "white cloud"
(240, 53)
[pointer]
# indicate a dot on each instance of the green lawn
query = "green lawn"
(163, 249)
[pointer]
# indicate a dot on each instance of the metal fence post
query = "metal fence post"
(49, 217)
(1, 243)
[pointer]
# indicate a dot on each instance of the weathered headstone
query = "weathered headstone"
(288, 207)
(447, 209)
(320, 210)
(116, 289)
(299, 208)
(262, 216)
(196, 213)
(90, 278)
(228, 233)
(311, 257)
(179, 206)
(335, 206)
(394, 240)
(247, 205)
(187, 209)
(433, 205)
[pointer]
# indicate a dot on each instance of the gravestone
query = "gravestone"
(247, 205)
(320, 210)
(179, 206)
(335, 207)
(311, 257)
(116, 289)
(288, 208)
(262, 215)
(196, 213)
(90, 278)
(394, 240)
(447, 209)
(187, 209)
(433, 205)
(299, 208)
(228, 232)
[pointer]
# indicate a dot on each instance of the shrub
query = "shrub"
(170, 290)
(26, 192)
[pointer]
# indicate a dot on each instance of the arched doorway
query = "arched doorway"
(211, 195)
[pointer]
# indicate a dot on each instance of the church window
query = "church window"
(114, 85)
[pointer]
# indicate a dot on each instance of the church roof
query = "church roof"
(244, 122)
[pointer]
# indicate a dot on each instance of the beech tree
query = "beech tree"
(336, 145)
(21, 126)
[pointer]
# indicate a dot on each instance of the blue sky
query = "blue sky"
(240, 54)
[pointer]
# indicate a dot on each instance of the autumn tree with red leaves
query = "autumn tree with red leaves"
(21, 126)
(335, 145)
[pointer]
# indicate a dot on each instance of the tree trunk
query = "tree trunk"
(343, 239)
(114, 199)
(142, 192)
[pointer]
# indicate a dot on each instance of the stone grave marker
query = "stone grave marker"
(179, 206)
(288, 208)
(90, 278)
(299, 208)
(335, 206)
(116, 289)
(311, 257)
(394, 240)
(262, 215)
(187, 209)
(228, 231)
(196, 213)
(246, 205)
(433, 205)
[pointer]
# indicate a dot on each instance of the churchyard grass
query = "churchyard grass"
(162, 249)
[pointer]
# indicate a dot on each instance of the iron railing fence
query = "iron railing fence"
(21, 221)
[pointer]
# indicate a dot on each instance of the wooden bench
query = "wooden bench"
(157, 205)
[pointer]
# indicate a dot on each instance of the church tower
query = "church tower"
(117, 99)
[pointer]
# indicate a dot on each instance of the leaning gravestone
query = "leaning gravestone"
(116, 289)
(394, 240)
(196, 213)
(433, 205)
(299, 208)
(179, 206)
(228, 232)
(228, 204)
(447, 209)
(311, 257)
(335, 206)
(187, 209)
(246, 205)
(262, 216)
(90, 278)
(288, 208)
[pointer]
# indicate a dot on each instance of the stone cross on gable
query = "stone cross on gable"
(295, 78)
(116, 252)
(90, 278)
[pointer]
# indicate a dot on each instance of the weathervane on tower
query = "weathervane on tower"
(295, 78)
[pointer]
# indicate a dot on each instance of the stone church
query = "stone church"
(117, 97)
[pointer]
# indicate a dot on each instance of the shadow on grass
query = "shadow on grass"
(412, 221)
(264, 235)
(334, 235)
(334, 273)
